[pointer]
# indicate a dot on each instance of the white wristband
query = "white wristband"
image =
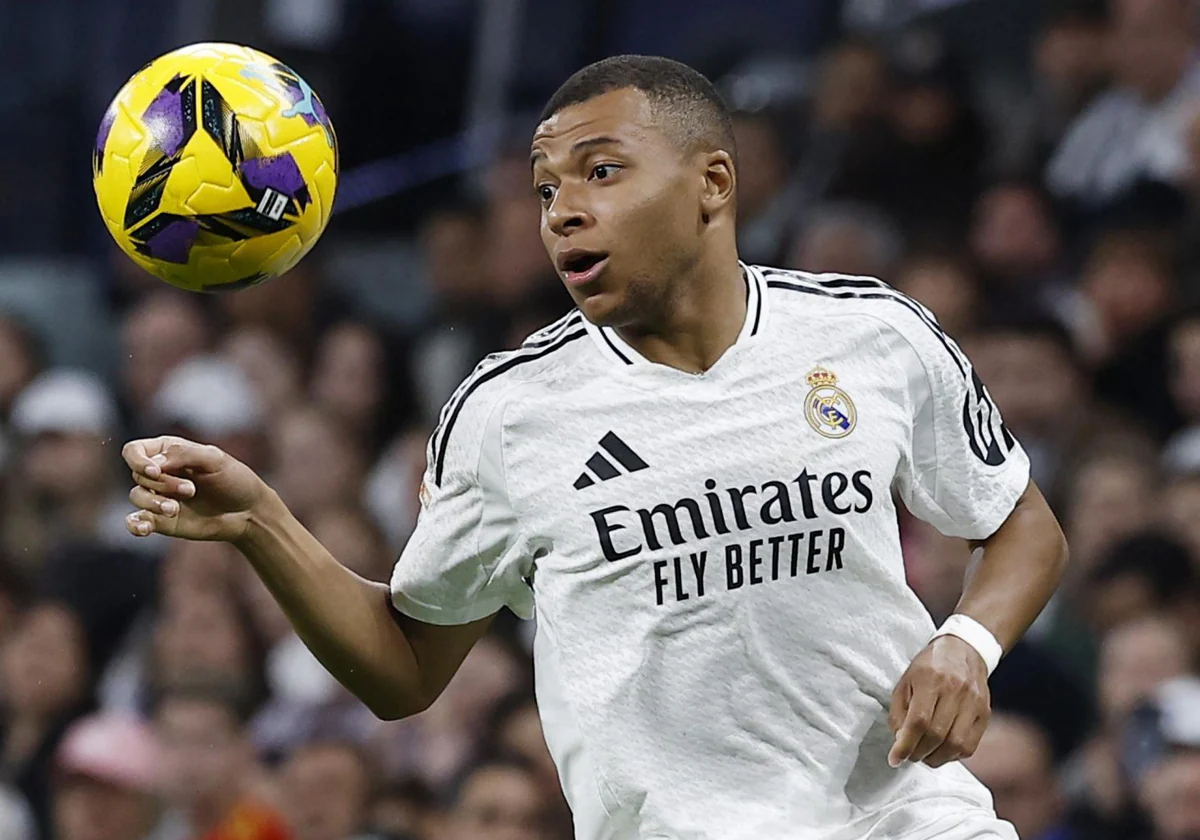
(976, 635)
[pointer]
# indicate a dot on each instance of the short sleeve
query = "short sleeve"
(467, 557)
(963, 471)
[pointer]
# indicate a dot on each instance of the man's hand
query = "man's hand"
(189, 490)
(941, 706)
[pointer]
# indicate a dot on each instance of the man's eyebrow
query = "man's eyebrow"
(578, 146)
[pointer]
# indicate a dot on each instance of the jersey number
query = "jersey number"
(990, 439)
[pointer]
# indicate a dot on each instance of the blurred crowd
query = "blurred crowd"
(152, 690)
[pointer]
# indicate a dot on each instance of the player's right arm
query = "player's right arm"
(394, 663)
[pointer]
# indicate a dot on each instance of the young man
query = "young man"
(691, 477)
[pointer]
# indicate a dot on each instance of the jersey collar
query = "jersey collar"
(614, 347)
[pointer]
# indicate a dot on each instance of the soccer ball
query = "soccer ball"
(215, 167)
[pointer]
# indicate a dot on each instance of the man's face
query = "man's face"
(1032, 380)
(203, 751)
(1171, 794)
(1150, 43)
(1135, 659)
(499, 803)
(621, 205)
(63, 468)
(326, 789)
(1015, 765)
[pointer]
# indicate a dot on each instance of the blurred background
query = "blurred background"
(1029, 169)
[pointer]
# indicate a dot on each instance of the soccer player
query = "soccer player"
(692, 478)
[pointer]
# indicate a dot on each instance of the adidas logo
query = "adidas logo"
(603, 469)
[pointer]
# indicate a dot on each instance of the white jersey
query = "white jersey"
(722, 612)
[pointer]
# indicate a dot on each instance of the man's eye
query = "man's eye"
(603, 170)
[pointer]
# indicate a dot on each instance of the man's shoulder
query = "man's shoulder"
(549, 354)
(825, 295)
(859, 305)
(551, 357)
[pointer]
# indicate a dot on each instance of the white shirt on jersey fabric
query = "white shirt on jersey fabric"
(715, 558)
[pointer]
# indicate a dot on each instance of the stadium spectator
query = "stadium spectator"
(208, 769)
(304, 701)
(65, 472)
(845, 239)
(499, 800)
(394, 485)
(459, 330)
(272, 366)
(105, 781)
(437, 744)
(21, 358)
(326, 788)
(47, 684)
(944, 283)
(769, 198)
(1070, 67)
(940, 142)
(209, 399)
(1035, 376)
(295, 317)
(1136, 129)
(1111, 493)
(1129, 284)
(317, 463)
(515, 729)
(159, 332)
(1180, 512)
(1015, 761)
(1016, 241)
(1182, 453)
(406, 809)
(1135, 659)
(205, 634)
(1141, 576)
(350, 380)
(1168, 778)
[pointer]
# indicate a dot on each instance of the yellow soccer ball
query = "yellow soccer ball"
(215, 167)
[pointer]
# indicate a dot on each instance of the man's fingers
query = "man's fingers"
(945, 713)
(915, 725)
(961, 741)
(143, 523)
(167, 485)
(899, 708)
(138, 455)
(154, 457)
(150, 501)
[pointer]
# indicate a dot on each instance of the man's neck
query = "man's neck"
(702, 321)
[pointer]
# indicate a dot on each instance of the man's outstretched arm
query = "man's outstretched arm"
(396, 665)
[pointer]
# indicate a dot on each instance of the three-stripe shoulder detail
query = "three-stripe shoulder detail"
(864, 288)
(549, 334)
(492, 367)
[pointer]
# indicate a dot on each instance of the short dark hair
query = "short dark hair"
(1031, 324)
(1162, 562)
(694, 112)
(502, 761)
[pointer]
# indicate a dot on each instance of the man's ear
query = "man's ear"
(720, 184)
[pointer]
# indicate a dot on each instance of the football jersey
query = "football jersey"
(722, 611)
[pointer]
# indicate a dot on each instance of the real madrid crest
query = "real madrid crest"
(827, 407)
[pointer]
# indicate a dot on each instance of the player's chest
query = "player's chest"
(625, 468)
